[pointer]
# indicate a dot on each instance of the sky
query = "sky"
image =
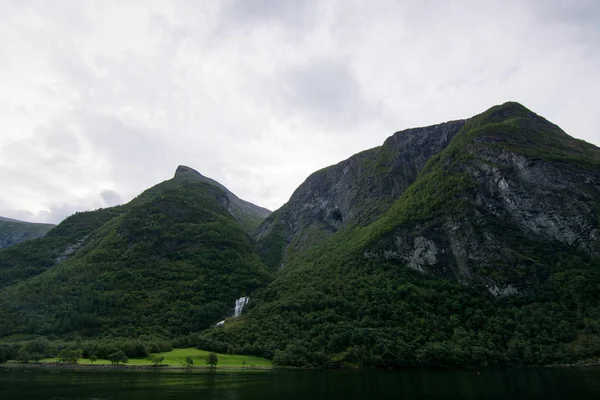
(100, 100)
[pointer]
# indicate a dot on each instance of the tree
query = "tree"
(23, 356)
(93, 358)
(69, 356)
(156, 360)
(212, 360)
(118, 357)
(189, 361)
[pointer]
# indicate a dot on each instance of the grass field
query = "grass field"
(177, 358)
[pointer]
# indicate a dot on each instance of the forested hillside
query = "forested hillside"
(489, 257)
(171, 262)
(472, 242)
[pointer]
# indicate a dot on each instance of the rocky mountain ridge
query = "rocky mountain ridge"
(353, 192)
(487, 194)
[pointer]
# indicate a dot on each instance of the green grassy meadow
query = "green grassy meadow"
(177, 357)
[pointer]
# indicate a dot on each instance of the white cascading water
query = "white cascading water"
(239, 305)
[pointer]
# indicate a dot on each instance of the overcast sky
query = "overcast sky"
(100, 100)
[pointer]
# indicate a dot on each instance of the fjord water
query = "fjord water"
(526, 383)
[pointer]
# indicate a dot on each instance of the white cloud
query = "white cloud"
(101, 100)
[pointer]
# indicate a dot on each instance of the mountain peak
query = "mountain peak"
(247, 214)
(187, 172)
(506, 111)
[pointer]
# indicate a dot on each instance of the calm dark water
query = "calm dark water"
(314, 385)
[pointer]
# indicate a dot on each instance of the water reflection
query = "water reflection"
(314, 385)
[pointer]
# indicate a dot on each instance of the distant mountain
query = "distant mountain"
(13, 231)
(170, 262)
(466, 243)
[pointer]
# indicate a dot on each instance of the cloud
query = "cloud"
(101, 100)
(111, 198)
(328, 91)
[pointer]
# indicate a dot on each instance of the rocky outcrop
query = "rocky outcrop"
(520, 204)
(353, 192)
(524, 189)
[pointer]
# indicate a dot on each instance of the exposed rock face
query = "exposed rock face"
(247, 214)
(517, 201)
(525, 184)
(13, 231)
(357, 190)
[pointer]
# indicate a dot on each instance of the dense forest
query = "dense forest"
(171, 262)
(485, 252)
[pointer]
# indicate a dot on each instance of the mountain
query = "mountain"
(13, 231)
(170, 262)
(354, 192)
(466, 243)
(249, 215)
(469, 243)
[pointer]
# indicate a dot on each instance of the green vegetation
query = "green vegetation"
(169, 263)
(72, 356)
(33, 257)
(212, 360)
(187, 357)
(515, 128)
(333, 306)
(374, 313)
(126, 284)
(156, 360)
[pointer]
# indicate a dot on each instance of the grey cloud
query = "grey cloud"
(327, 90)
(111, 198)
(54, 214)
(294, 14)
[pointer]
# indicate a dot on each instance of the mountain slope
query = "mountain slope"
(354, 192)
(490, 256)
(249, 215)
(33, 257)
(170, 262)
(13, 231)
(510, 182)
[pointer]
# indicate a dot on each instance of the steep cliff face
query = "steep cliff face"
(466, 199)
(13, 231)
(354, 192)
(524, 185)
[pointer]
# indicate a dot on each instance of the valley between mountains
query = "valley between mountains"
(471, 242)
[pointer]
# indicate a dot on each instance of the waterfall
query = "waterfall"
(239, 306)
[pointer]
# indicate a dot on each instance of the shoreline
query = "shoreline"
(54, 366)
(121, 367)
